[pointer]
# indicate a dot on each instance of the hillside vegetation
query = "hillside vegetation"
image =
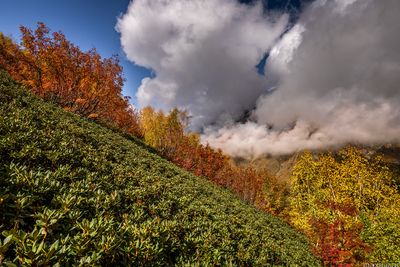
(75, 193)
(84, 83)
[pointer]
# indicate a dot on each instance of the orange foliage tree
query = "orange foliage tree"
(80, 82)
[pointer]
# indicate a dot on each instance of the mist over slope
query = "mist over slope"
(330, 79)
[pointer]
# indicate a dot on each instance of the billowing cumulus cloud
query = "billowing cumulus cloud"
(333, 78)
(203, 52)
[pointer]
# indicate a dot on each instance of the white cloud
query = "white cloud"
(203, 52)
(336, 72)
(282, 53)
(338, 78)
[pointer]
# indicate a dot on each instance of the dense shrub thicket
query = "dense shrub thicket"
(75, 193)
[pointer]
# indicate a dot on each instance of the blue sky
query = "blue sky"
(87, 23)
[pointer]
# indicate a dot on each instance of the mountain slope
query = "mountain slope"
(76, 193)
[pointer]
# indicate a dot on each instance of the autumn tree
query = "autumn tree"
(153, 127)
(80, 82)
(339, 200)
(10, 57)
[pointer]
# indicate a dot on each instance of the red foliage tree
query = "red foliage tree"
(338, 245)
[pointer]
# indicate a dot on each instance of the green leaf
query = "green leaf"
(9, 264)
(7, 240)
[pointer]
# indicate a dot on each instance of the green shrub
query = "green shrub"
(75, 193)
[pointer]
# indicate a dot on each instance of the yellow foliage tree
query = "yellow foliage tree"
(152, 125)
(163, 132)
(337, 199)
